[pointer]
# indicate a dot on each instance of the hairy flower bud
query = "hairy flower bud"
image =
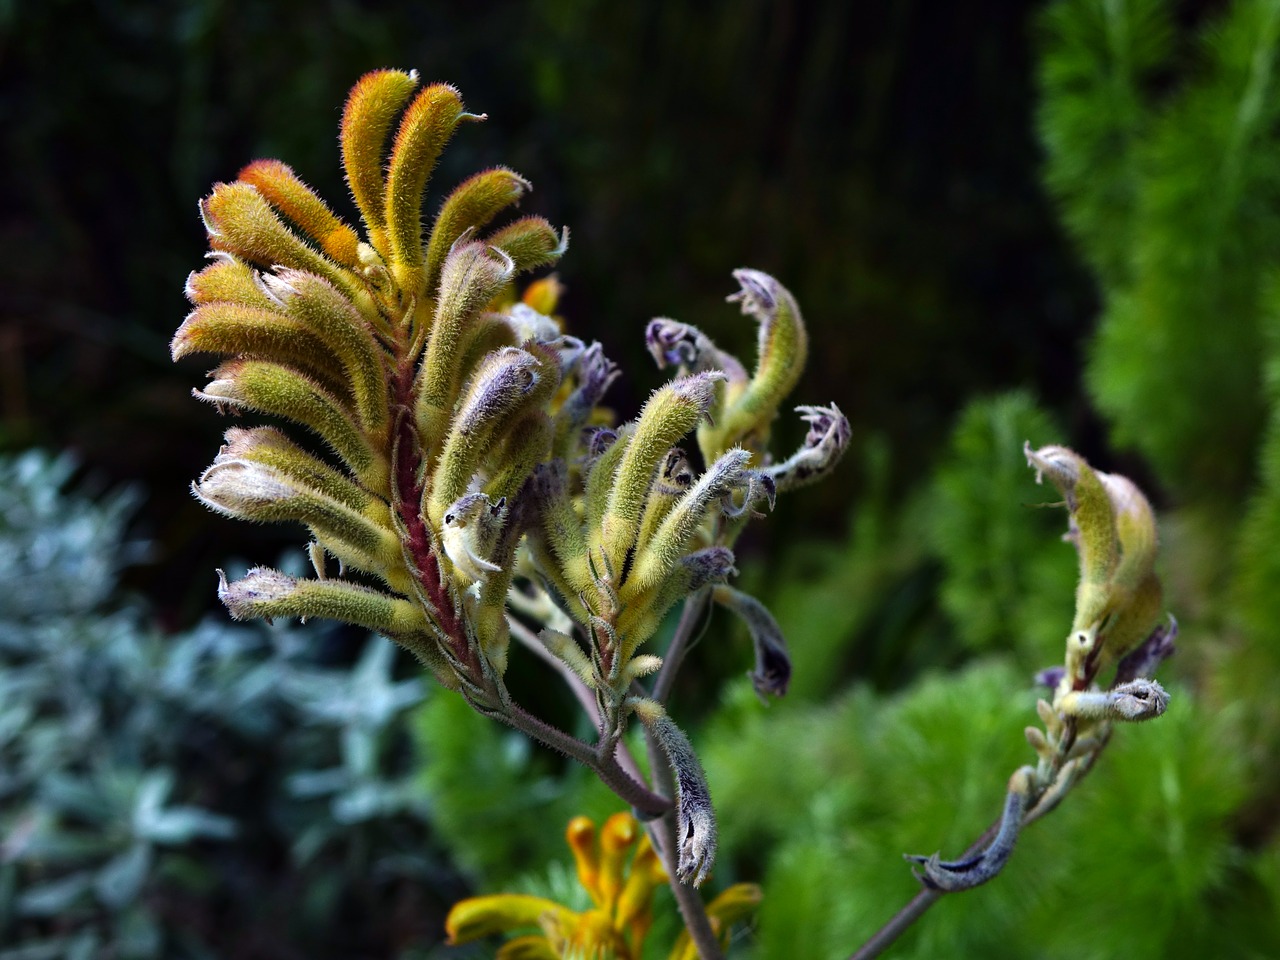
(671, 412)
(1140, 699)
(267, 593)
(772, 673)
(782, 348)
(680, 345)
(531, 242)
(256, 491)
(709, 565)
(824, 445)
(471, 205)
(695, 817)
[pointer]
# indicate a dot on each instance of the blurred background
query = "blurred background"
(1052, 222)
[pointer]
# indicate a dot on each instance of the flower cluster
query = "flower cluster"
(470, 468)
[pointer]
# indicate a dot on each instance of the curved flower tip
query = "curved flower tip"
(671, 343)
(824, 445)
(758, 291)
(1060, 464)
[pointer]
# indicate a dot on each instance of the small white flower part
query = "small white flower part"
(469, 533)
(529, 324)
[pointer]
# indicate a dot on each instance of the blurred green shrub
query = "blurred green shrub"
(1143, 863)
(1167, 168)
(1008, 578)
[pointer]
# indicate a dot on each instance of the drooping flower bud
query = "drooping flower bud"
(695, 817)
(772, 673)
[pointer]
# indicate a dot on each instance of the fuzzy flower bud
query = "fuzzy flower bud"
(824, 445)
(695, 817)
(268, 593)
(773, 663)
(709, 565)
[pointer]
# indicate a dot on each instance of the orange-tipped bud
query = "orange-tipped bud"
(287, 193)
(371, 108)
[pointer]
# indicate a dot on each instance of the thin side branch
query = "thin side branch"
(915, 908)
(695, 609)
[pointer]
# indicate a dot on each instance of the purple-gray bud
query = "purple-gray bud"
(824, 445)
(709, 565)
(502, 379)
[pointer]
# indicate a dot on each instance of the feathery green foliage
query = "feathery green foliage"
(1176, 201)
(851, 783)
(1006, 579)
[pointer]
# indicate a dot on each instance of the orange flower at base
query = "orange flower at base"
(620, 870)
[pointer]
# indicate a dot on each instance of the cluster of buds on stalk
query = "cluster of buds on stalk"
(472, 481)
(1118, 605)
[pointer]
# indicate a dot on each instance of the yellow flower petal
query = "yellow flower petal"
(531, 947)
(618, 836)
(478, 917)
(581, 837)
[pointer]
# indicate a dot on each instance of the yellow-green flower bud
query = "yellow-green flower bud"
(783, 348)
(672, 412)
(372, 106)
(471, 205)
(425, 128)
(531, 242)
(271, 388)
(268, 593)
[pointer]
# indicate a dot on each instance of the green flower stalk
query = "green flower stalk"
(469, 475)
(1113, 529)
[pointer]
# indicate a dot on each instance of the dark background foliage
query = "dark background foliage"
(879, 158)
